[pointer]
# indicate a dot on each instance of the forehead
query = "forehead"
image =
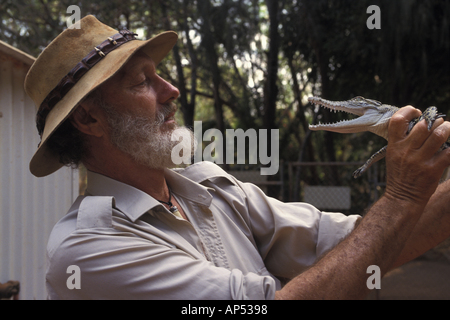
(139, 60)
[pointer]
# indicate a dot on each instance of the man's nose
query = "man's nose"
(167, 92)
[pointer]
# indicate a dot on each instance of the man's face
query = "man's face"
(140, 113)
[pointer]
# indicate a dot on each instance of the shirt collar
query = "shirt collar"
(134, 202)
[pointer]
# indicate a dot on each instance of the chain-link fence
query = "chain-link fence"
(330, 185)
(326, 185)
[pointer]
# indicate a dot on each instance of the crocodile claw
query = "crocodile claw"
(430, 115)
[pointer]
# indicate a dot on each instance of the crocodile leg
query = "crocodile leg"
(377, 156)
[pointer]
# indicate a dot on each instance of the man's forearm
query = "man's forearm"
(432, 228)
(414, 166)
(378, 240)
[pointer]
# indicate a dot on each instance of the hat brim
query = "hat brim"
(44, 161)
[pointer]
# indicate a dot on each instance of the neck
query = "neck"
(123, 168)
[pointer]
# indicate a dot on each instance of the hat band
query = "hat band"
(66, 83)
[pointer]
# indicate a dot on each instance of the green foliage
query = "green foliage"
(221, 63)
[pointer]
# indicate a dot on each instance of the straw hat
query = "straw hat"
(75, 63)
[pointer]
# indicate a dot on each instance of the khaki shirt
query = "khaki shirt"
(237, 243)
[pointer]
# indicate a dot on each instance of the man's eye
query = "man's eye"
(143, 83)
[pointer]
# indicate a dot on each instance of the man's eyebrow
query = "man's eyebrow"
(128, 75)
(135, 70)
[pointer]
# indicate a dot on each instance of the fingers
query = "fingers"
(419, 136)
(436, 136)
(435, 141)
(430, 139)
(398, 125)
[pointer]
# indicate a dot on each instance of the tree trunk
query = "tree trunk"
(187, 108)
(208, 44)
(270, 87)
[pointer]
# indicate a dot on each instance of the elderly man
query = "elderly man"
(145, 231)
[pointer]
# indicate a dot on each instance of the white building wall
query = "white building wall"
(29, 206)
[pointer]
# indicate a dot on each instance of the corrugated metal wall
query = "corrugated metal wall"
(29, 206)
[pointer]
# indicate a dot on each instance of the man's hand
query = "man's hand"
(413, 162)
(414, 167)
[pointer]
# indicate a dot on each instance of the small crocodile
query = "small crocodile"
(374, 116)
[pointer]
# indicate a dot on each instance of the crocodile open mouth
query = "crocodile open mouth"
(342, 106)
(336, 106)
(372, 115)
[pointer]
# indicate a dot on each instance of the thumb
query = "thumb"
(398, 125)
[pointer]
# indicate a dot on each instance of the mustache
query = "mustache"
(165, 110)
(161, 114)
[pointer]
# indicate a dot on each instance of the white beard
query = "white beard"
(148, 141)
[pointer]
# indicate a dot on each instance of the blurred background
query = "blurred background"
(252, 64)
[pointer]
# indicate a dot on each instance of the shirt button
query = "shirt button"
(206, 210)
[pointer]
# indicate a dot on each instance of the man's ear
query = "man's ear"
(88, 119)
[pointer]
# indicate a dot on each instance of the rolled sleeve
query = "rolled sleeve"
(292, 236)
(333, 227)
(251, 286)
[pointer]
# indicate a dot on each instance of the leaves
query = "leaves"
(252, 63)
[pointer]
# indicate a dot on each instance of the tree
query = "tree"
(252, 63)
